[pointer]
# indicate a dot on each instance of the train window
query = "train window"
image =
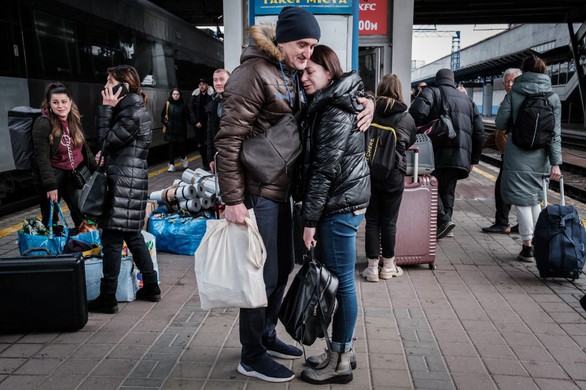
(142, 60)
(56, 39)
(9, 50)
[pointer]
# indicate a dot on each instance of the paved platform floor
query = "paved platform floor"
(481, 320)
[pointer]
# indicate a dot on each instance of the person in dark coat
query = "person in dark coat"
(54, 134)
(337, 191)
(174, 117)
(454, 160)
(214, 112)
(124, 127)
(387, 190)
(200, 98)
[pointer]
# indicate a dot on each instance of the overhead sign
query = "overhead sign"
(373, 17)
(329, 7)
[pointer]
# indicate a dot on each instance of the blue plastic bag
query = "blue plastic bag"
(177, 234)
(36, 245)
(127, 279)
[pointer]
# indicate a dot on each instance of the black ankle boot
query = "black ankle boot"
(149, 292)
(105, 303)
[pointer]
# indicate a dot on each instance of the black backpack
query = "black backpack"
(20, 126)
(381, 149)
(535, 123)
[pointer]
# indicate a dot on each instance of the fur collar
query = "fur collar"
(263, 36)
(197, 91)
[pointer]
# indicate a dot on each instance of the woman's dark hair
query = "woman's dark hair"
(389, 90)
(127, 74)
(173, 90)
(323, 55)
(534, 64)
(73, 119)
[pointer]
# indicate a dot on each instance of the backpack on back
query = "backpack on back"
(381, 149)
(535, 122)
(20, 126)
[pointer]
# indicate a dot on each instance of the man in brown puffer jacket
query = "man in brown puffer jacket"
(265, 87)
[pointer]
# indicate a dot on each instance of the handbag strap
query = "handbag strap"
(67, 140)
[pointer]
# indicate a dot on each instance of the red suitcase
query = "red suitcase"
(417, 224)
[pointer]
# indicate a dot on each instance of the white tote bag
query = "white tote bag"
(229, 265)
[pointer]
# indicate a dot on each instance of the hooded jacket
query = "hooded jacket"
(337, 179)
(176, 122)
(126, 131)
(197, 105)
(522, 171)
(258, 93)
(465, 118)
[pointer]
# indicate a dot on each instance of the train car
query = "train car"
(75, 42)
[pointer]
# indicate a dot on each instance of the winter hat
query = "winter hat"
(296, 23)
(445, 74)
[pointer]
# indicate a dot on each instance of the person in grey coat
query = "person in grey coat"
(124, 127)
(523, 170)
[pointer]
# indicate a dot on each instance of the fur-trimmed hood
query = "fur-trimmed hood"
(263, 37)
(197, 91)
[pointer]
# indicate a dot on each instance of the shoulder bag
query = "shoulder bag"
(93, 194)
(80, 175)
(310, 302)
(268, 155)
(440, 130)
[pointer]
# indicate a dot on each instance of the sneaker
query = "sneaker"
(171, 168)
(281, 350)
(450, 234)
(497, 228)
(266, 369)
(526, 254)
(444, 229)
(515, 229)
(149, 292)
(185, 163)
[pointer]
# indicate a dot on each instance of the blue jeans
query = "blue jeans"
(336, 240)
(257, 326)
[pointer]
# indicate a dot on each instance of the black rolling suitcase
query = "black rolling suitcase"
(44, 293)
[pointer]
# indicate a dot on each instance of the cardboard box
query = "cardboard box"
(150, 207)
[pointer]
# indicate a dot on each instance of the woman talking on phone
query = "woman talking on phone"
(125, 129)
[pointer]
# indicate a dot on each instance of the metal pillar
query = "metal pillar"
(234, 31)
(579, 71)
(402, 42)
(487, 97)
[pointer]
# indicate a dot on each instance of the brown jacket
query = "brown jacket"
(259, 92)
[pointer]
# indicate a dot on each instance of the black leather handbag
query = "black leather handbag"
(93, 194)
(80, 176)
(310, 303)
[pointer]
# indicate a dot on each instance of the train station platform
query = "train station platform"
(481, 320)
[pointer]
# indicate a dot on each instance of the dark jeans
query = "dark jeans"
(257, 326)
(176, 149)
(382, 215)
(447, 180)
(68, 192)
(501, 216)
(201, 137)
(112, 249)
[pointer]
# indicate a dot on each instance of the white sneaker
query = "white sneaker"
(171, 168)
(185, 163)
(371, 271)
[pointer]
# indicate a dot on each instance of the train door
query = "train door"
(369, 66)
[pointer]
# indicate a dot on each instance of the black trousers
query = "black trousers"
(112, 249)
(201, 137)
(382, 215)
(176, 149)
(501, 216)
(68, 192)
(447, 180)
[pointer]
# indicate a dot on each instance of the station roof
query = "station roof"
(208, 12)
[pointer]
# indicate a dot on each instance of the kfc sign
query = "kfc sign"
(373, 17)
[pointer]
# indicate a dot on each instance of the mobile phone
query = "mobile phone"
(118, 86)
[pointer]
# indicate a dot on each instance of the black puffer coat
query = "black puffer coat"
(337, 179)
(127, 131)
(465, 118)
(176, 122)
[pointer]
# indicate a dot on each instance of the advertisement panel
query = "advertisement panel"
(317, 7)
(373, 17)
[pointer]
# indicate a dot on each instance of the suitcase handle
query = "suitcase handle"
(415, 151)
(562, 196)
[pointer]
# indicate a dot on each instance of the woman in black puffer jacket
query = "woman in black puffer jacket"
(387, 185)
(124, 126)
(337, 189)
